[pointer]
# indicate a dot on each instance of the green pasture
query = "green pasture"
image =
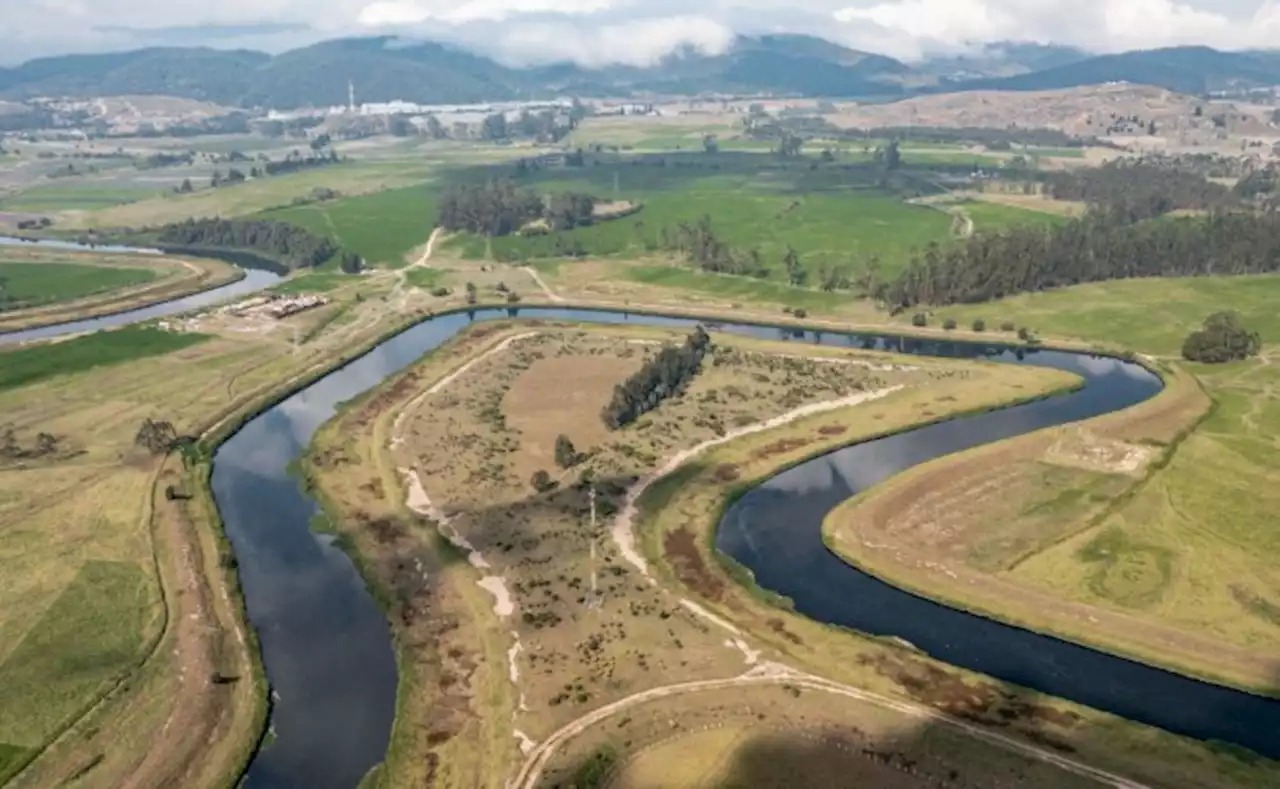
(90, 636)
(995, 216)
(383, 227)
(830, 215)
(1150, 315)
(36, 284)
(75, 195)
(29, 364)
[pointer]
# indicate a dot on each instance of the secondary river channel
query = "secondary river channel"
(328, 649)
(259, 273)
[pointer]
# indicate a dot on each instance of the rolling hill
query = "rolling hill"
(1192, 70)
(386, 68)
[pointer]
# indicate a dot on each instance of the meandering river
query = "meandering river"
(259, 273)
(328, 649)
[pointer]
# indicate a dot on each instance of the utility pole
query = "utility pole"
(591, 496)
(351, 97)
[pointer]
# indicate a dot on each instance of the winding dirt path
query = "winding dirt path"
(777, 674)
(623, 532)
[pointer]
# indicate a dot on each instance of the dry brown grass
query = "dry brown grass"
(787, 737)
(561, 396)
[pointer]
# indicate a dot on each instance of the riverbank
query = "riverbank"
(975, 568)
(177, 279)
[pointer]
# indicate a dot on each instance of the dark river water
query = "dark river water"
(328, 651)
(259, 274)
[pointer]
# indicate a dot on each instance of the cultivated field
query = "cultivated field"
(39, 287)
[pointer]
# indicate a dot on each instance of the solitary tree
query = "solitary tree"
(566, 454)
(1222, 339)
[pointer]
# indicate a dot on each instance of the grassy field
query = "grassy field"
(830, 217)
(787, 736)
(728, 287)
(88, 538)
(1167, 548)
(382, 227)
(73, 197)
(35, 284)
(315, 282)
(257, 195)
(57, 287)
(988, 216)
(29, 365)
(1153, 316)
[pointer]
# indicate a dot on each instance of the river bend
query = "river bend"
(328, 649)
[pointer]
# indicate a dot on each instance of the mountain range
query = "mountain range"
(383, 69)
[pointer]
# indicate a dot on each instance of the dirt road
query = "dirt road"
(546, 289)
(777, 674)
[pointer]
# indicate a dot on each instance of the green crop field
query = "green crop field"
(994, 216)
(91, 634)
(382, 227)
(829, 215)
(34, 363)
(35, 284)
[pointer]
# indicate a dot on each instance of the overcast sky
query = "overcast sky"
(633, 31)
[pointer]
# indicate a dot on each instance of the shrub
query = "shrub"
(512, 297)
(542, 481)
(800, 312)
(979, 324)
(1007, 326)
(1221, 339)
(440, 292)
(949, 324)
(919, 319)
(566, 454)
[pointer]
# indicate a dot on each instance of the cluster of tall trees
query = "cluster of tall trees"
(665, 375)
(1102, 245)
(295, 162)
(289, 244)
(698, 243)
(1139, 189)
(1221, 339)
(498, 208)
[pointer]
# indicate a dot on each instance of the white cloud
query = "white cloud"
(638, 31)
(635, 43)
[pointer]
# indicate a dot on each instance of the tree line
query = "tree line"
(1102, 245)
(498, 208)
(666, 375)
(289, 244)
(1139, 189)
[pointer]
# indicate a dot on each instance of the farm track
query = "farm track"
(780, 674)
